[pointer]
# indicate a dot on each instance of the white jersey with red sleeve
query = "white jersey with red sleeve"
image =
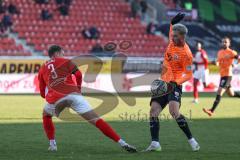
(55, 79)
(201, 65)
(201, 59)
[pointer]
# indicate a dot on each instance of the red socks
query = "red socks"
(107, 130)
(195, 91)
(100, 124)
(49, 127)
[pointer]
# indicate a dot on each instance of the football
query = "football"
(158, 87)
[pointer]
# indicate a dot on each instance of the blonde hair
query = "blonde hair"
(182, 29)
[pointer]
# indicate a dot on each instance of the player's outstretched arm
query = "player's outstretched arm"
(179, 17)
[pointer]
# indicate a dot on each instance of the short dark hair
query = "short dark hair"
(227, 38)
(53, 49)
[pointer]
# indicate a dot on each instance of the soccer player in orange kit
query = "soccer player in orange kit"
(177, 70)
(58, 89)
(225, 61)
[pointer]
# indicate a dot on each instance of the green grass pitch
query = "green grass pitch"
(22, 136)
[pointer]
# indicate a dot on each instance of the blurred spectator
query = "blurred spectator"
(67, 2)
(2, 7)
(135, 8)
(91, 33)
(146, 11)
(59, 2)
(178, 4)
(7, 21)
(144, 6)
(2, 29)
(42, 1)
(12, 9)
(3, 32)
(94, 32)
(97, 48)
(153, 28)
(64, 10)
(46, 15)
(86, 34)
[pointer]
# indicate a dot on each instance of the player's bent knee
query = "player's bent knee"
(174, 114)
(154, 113)
(174, 111)
(49, 110)
(91, 117)
(44, 113)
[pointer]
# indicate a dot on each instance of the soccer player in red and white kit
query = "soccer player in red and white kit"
(58, 88)
(201, 71)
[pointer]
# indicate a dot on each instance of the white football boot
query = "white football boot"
(194, 144)
(195, 101)
(52, 146)
(154, 146)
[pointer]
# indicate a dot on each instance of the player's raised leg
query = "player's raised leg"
(107, 130)
(182, 123)
(82, 107)
(210, 111)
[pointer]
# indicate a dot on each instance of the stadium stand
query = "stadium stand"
(110, 17)
(8, 47)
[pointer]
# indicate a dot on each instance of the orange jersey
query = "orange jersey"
(177, 65)
(225, 59)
